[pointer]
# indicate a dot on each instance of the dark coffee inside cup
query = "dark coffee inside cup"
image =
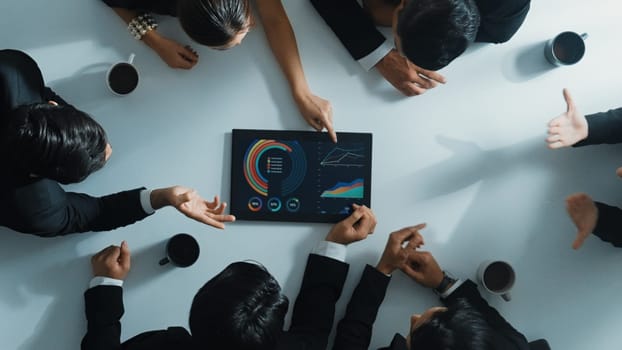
(498, 277)
(568, 47)
(182, 250)
(123, 78)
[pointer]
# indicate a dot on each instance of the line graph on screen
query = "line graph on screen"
(341, 157)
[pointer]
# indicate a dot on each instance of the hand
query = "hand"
(188, 202)
(584, 214)
(423, 268)
(171, 52)
(406, 76)
(355, 227)
(568, 128)
(317, 112)
(395, 255)
(113, 262)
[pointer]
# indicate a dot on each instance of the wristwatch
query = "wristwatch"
(447, 281)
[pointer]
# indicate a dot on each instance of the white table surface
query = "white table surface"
(468, 158)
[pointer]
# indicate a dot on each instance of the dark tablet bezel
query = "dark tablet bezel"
(237, 154)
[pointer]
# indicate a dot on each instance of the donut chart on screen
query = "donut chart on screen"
(258, 179)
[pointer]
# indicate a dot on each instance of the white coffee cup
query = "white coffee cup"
(122, 78)
(497, 277)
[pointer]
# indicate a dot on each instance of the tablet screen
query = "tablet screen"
(299, 175)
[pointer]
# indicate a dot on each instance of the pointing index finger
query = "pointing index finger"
(408, 232)
(331, 131)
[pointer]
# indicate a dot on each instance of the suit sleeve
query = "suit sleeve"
(129, 4)
(354, 28)
(314, 310)
(105, 213)
(104, 309)
(468, 290)
(609, 224)
(46, 210)
(603, 127)
(354, 331)
(162, 7)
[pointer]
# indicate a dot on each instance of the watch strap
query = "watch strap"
(445, 283)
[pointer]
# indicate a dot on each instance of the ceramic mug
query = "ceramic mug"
(182, 250)
(122, 78)
(497, 277)
(565, 49)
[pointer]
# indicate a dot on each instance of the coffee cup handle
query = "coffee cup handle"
(164, 261)
(584, 36)
(130, 60)
(506, 296)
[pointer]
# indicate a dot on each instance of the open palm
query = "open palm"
(568, 128)
(191, 204)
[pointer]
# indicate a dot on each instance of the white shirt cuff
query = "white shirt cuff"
(145, 201)
(368, 62)
(452, 289)
(331, 250)
(105, 281)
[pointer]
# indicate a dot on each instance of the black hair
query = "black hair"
(434, 32)
(461, 327)
(55, 142)
(241, 308)
(213, 22)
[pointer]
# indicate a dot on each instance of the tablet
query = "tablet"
(299, 175)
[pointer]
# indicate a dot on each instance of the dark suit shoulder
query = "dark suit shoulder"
(173, 338)
(504, 335)
(353, 26)
(398, 343)
(21, 81)
(500, 19)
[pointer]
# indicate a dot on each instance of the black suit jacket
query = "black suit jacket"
(162, 7)
(355, 329)
(606, 127)
(41, 206)
(356, 30)
(21, 83)
(104, 308)
(312, 318)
